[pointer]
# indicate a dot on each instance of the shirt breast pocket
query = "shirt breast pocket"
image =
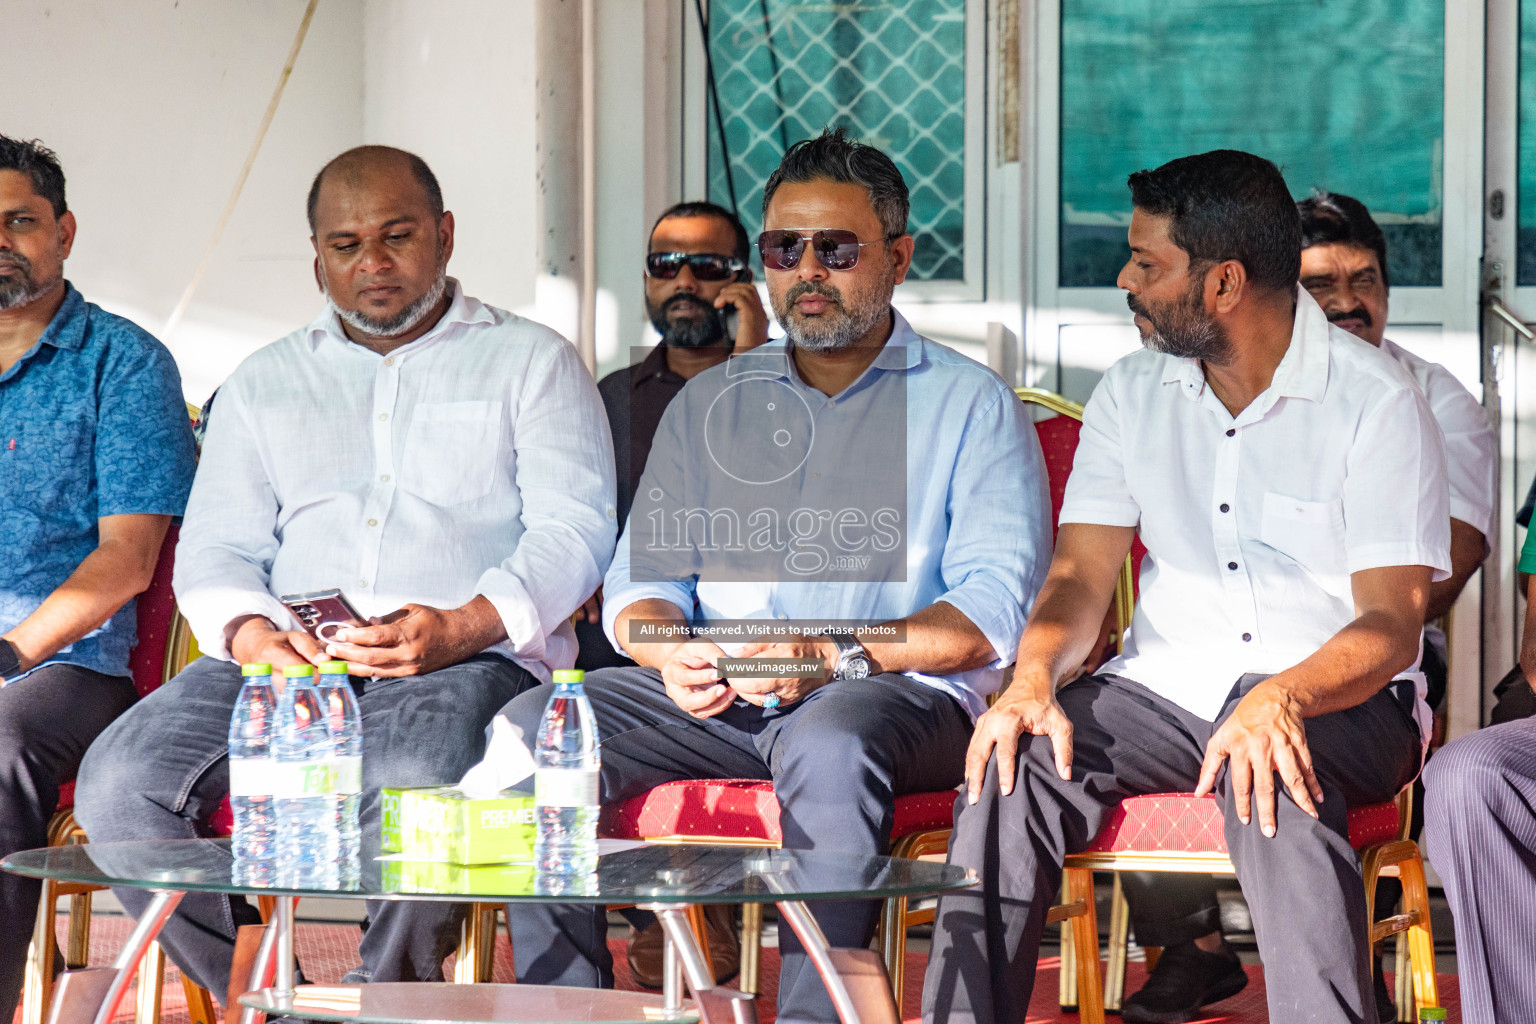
(1309, 532)
(451, 451)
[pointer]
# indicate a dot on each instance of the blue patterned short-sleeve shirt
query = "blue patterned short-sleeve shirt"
(92, 423)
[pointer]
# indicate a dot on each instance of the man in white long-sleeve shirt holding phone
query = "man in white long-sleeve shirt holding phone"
(447, 466)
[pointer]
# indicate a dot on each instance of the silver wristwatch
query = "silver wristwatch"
(852, 658)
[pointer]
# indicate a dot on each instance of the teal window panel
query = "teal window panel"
(1344, 95)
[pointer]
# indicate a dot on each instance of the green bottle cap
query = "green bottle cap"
(1433, 1013)
(256, 669)
(333, 668)
(299, 671)
(569, 675)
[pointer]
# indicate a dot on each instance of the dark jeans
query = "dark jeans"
(47, 720)
(837, 759)
(1303, 884)
(162, 770)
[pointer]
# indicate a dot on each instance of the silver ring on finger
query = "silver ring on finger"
(770, 702)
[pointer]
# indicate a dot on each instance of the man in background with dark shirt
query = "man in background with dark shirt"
(701, 300)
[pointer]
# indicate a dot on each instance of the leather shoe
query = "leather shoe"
(645, 947)
(1185, 979)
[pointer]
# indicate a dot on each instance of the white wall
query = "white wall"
(453, 81)
(152, 105)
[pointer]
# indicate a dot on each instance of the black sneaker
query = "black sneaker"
(1185, 979)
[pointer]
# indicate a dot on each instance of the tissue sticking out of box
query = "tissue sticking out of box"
(508, 761)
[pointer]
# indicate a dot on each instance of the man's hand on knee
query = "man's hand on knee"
(998, 732)
(1265, 735)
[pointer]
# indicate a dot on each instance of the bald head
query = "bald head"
(357, 168)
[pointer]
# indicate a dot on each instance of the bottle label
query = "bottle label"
(565, 787)
(263, 776)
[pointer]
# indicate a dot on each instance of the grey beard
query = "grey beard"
(824, 337)
(1205, 341)
(821, 335)
(19, 289)
(406, 320)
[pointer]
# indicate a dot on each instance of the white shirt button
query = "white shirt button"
(613, 513)
(373, 522)
(389, 360)
(383, 416)
(384, 478)
(362, 583)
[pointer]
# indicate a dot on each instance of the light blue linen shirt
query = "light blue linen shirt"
(973, 532)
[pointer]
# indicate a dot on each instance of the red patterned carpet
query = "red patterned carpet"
(329, 951)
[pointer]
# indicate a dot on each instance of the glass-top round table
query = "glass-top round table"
(663, 877)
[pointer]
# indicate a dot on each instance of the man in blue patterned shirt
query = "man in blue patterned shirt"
(96, 456)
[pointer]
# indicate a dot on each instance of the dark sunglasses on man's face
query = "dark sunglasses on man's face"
(706, 266)
(835, 248)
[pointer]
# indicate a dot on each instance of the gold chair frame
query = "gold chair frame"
(64, 830)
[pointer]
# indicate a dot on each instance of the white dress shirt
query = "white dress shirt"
(1468, 437)
(1254, 523)
(473, 461)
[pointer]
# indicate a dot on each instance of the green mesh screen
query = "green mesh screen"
(1526, 239)
(891, 71)
(1345, 95)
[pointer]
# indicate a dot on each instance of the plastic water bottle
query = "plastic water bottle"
(341, 714)
(308, 844)
(565, 781)
(254, 841)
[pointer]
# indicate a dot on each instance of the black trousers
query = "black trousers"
(162, 770)
(47, 720)
(837, 760)
(1303, 885)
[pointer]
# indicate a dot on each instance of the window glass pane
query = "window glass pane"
(1525, 272)
(891, 71)
(1344, 95)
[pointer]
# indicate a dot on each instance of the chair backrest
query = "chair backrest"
(156, 612)
(1058, 441)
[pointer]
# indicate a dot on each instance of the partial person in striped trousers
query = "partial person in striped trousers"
(1480, 832)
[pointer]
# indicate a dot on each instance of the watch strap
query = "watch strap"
(10, 659)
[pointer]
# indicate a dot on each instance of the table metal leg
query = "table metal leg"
(261, 966)
(282, 920)
(78, 1001)
(855, 978)
(716, 1005)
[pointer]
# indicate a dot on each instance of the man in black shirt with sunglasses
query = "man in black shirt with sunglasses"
(700, 298)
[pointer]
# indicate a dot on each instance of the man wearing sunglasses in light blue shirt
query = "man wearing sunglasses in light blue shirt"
(856, 497)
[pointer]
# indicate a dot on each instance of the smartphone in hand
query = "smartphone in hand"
(323, 612)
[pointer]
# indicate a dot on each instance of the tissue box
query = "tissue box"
(441, 823)
(456, 879)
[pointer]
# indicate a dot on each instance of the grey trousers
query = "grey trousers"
(162, 769)
(1480, 831)
(1303, 886)
(47, 720)
(838, 759)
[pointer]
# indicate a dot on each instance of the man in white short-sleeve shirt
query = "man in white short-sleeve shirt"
(1344, 267)
(1288, 481)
